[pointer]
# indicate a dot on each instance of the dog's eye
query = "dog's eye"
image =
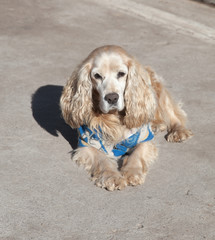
(120, 74)
(97, 76)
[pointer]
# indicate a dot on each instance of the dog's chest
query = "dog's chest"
(128, 140)
(128, 132)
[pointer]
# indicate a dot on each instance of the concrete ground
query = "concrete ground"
(43, 194)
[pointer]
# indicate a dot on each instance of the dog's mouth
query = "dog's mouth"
(113, 107)
(106, 107)
(107, 110)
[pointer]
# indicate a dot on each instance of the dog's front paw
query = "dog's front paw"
(156, 128)
(110, 181)
(133, 176)
(178, 135)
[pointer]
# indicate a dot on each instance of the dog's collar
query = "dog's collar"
(93, 138)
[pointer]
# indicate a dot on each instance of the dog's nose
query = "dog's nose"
(112, 98)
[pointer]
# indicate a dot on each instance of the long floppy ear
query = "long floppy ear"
(76, 99)
(140, 101)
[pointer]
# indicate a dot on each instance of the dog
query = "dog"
(118, 105)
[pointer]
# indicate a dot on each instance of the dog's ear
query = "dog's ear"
(140, 101)
(76, 99)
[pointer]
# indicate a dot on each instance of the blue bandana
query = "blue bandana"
(89, 138)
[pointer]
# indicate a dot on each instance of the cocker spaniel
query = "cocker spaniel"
(117, 106)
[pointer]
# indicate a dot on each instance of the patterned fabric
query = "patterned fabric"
(89, 138)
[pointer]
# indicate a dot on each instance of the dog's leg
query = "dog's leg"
(102, 169)
(168, 115)
(135, 166)
(174, 117)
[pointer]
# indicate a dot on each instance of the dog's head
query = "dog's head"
(109, 80)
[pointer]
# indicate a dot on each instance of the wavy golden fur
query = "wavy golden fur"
(110, 89)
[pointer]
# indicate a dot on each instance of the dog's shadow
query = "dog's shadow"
(46, 111)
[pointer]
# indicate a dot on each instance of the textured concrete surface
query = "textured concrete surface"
(212, 2)
(43, 194)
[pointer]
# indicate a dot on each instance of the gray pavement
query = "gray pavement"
(43, 194)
